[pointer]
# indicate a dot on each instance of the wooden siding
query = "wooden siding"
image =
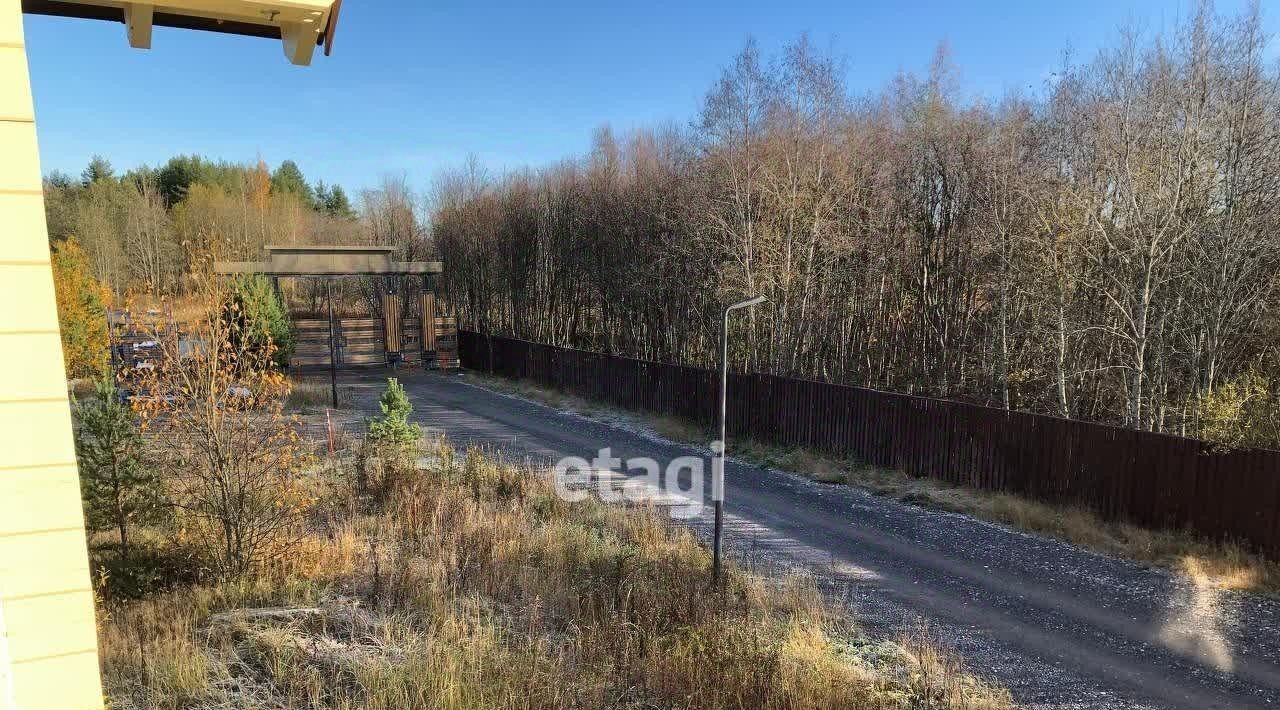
(49, 645)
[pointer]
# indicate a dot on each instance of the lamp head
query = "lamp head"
(747, 303)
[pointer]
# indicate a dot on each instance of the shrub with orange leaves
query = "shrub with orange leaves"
(212, 406)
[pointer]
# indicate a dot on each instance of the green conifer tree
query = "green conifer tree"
(394, 427)
(119, 491)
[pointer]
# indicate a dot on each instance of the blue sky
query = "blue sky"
(417, 85)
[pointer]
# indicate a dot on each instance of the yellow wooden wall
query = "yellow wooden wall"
(49, 641)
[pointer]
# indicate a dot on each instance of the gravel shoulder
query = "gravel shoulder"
(1061, 627)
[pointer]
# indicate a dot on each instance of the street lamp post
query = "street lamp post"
(717, 464)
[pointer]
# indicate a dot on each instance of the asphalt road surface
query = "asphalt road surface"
(1059, 626)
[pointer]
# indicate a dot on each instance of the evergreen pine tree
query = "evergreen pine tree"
(119, 491)
(394, 427)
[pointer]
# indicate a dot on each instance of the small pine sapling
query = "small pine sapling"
(394, 427)
(119, 491)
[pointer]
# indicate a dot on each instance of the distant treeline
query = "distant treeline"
(150, 229)
(1104, 247)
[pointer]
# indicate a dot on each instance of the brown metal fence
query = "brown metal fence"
(1142, 477)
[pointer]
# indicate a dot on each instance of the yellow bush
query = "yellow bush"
(1244, 411)
(82, 315)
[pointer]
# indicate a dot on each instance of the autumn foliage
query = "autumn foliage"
(1103, 247)
(81, 312)
(213, 408)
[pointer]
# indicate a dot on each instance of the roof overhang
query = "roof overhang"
(301, 25)
(329, 261)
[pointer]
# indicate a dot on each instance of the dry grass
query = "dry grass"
(80, 388)
(471, 585)
(182, 310)
(307, 396)
(1222, 565)
(549, 397)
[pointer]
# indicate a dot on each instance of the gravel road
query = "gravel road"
(1060, 626)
